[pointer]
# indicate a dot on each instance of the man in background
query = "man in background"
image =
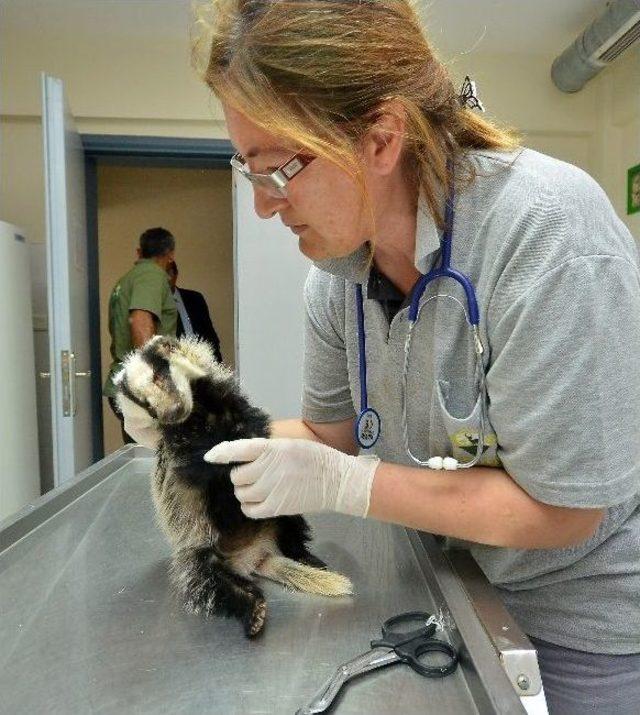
(193, 313)
(141, 305)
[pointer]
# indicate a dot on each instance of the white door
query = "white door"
(270, 273)
(67, 277)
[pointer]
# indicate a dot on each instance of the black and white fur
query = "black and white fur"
(217, 550)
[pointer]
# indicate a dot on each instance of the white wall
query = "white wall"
(618, 120)
(597, 128)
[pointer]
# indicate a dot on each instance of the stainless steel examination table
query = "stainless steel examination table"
(88, 623)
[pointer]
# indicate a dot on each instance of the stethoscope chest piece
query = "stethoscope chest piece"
(368, 428)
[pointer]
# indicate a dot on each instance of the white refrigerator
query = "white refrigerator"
(19, 461)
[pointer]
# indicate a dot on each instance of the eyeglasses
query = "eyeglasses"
(275, 184)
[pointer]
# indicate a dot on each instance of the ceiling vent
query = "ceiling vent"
(604, 40)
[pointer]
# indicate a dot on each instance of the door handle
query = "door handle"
(68, 383)
(69, 375)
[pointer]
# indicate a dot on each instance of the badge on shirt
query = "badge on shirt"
(368, 428)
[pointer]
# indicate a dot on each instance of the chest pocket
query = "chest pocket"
(460, 406)
(458, 399)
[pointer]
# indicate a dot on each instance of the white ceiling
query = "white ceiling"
(542, 27)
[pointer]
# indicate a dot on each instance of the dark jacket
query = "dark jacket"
(198, 312)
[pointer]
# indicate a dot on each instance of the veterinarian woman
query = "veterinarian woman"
(346, 98)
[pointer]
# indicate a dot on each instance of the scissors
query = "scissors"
(397, 645)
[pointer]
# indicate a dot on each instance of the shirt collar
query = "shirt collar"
(355, 266)
(150, 261)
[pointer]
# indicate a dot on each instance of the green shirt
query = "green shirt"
(144, 287)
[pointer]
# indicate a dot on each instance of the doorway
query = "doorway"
(134, 183)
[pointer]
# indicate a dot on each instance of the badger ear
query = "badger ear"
(198, 352)
(118, 377)
(187, 368)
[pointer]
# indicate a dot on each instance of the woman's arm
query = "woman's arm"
(479, 504)
(338, 435)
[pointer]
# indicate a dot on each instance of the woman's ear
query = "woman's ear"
(384, 140)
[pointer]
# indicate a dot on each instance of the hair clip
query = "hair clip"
(468, 96)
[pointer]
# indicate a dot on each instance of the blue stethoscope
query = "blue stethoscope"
(368, 423)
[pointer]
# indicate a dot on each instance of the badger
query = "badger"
(217, 551)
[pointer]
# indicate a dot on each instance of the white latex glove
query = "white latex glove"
(139, 424)
(296, 476)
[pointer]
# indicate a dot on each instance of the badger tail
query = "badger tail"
(302, 577)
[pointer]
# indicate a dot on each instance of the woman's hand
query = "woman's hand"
(296, 476)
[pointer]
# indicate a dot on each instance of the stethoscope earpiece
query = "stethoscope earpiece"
(438, 463)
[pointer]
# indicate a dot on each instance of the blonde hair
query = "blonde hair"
(319, 72)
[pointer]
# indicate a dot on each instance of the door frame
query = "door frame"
(127, 150)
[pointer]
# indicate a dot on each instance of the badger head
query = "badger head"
(156, 379)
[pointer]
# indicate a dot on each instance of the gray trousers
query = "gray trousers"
(579, 683)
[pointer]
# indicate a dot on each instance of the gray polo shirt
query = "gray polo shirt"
(558, 286)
